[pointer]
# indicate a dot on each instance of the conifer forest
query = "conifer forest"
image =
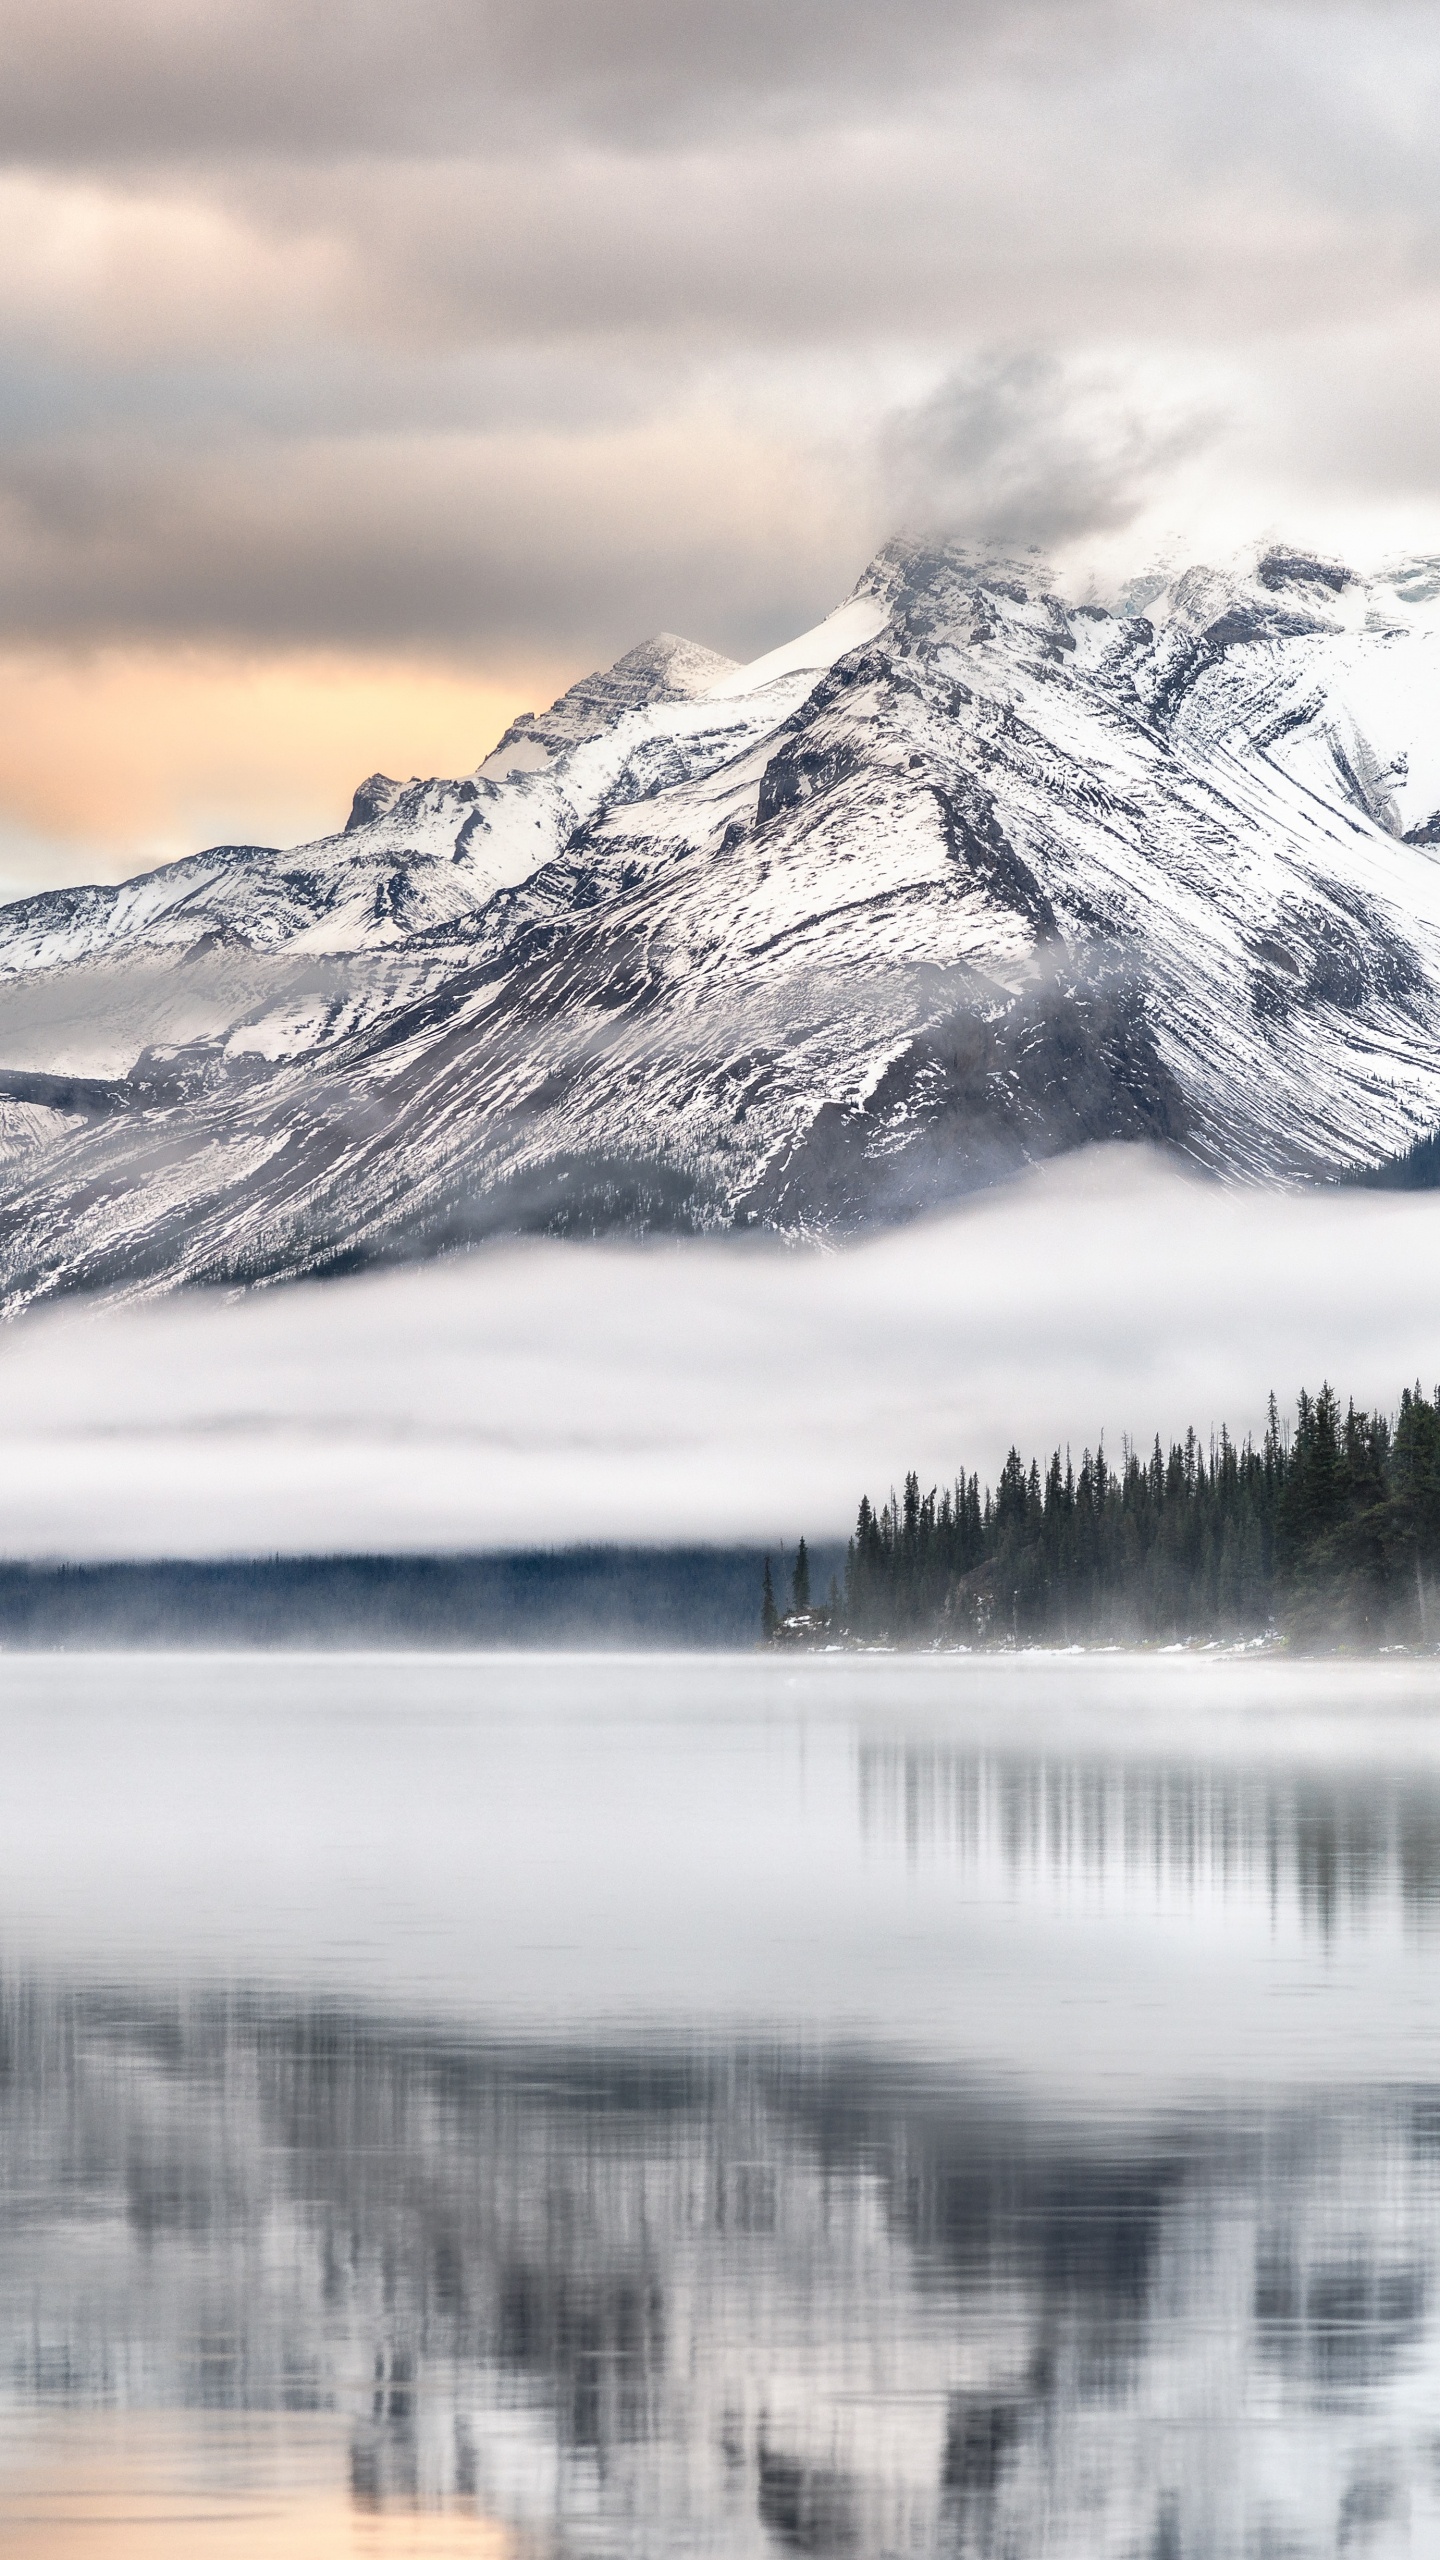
(1324, 1533)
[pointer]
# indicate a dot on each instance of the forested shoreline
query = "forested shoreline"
(1324, 1533)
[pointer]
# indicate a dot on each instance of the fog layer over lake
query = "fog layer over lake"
(545, 1393)
(683, 2105)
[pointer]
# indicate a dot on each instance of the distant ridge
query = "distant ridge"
(565, 1598)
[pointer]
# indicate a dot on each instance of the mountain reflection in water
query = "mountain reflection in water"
(790, 2287)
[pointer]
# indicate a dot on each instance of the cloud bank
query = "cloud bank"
(501, 324)
(498, 335)
(549, 1394)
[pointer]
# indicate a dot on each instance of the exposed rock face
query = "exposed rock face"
(968, 876)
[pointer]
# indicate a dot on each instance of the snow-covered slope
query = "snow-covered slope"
(966, 876)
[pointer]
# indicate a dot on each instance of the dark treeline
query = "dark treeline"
(1416, 1169)
(618, 1597)
(1327, 1532)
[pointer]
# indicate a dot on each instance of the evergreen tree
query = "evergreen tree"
(1416, 1497)
(1330, 1531)
(800, 1583)
(769, 1614)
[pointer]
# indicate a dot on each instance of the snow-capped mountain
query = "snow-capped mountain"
(968, 875)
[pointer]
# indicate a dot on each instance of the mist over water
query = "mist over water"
(745, 2107)
(539, 1394)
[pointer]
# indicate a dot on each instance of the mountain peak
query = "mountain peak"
(375, 798)
(909, 565)
(679, 669)
(665, 669)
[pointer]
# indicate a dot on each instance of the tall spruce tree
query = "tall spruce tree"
(800, 1581)
(1416, 1497)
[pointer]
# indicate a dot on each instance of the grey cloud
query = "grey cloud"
(181, 80)
(362, 281)
(925, 234)
(184, 404)
(1012, 449)
(484, 545)
(740, 228)
(159, 78)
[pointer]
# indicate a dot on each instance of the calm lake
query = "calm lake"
(664, 2105)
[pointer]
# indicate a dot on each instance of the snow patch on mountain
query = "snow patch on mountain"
(860, 618)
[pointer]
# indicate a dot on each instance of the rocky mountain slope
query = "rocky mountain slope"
(967, 876)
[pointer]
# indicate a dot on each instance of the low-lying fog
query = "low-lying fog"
(542, 1393)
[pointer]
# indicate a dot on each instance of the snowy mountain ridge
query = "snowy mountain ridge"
(969, 874)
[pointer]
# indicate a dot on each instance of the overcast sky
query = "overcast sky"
(371, 371)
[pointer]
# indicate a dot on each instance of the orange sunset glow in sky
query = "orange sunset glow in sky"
(114, 759)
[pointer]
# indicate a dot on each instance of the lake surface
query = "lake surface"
(722, 2106)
